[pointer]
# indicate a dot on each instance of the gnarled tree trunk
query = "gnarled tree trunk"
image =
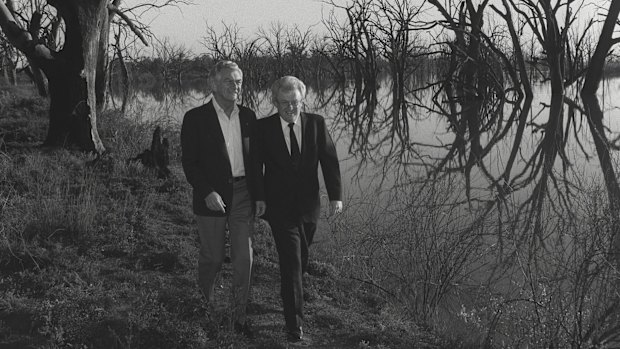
(71, 71)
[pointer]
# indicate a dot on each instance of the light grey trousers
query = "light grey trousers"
(212, 231)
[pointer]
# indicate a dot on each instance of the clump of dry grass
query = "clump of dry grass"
(418, 252)
(83, 245)
(98, 252)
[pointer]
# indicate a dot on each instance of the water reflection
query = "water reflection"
(387, 139)
(438, 223)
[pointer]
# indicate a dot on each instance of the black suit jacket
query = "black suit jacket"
(205, 159)
(288, 192)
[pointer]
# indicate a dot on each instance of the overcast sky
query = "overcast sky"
(186, 24)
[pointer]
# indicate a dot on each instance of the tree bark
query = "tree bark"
(101, 83)
(71, 72)
(72, 76)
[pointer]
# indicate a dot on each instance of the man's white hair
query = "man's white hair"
(286, 84)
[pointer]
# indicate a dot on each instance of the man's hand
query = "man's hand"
(260, 207)
(335, 207)
(215, 203)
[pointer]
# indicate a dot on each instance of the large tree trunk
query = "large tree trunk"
(101, 82)
(71, 72)
(72, 76)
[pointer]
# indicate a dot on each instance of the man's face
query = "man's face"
(227, 84)
(289, 104)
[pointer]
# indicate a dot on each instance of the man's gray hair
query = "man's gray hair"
(222, 65)
(286, 84)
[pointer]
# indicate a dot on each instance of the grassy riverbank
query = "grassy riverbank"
(100, 253)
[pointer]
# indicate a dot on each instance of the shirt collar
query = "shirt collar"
(220, 110)
(285, 123)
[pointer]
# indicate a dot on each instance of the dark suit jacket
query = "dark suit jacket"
(287, 192)
(205, 159)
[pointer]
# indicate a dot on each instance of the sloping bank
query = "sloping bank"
(100, 253)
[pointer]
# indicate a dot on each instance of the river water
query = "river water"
(371, 162)
(420, 242)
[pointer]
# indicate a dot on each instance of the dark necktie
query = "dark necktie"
(295, 153)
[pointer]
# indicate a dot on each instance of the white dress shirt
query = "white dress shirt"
(231, 128)
(286, 131)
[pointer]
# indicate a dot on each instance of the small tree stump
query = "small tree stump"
(157, 157)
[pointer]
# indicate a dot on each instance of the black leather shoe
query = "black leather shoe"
(244, 329)
(295, 336)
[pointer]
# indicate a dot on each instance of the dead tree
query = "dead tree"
(473, 88)
(76, 72)
(596, 122)
(551, 23)
(70, 71)
(73, 71)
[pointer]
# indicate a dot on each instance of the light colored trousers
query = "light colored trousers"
(212, 231)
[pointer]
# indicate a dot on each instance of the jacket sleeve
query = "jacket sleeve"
(328, 158)
(190, 156)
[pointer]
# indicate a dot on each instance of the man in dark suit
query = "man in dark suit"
(215, 141)
(289, 146)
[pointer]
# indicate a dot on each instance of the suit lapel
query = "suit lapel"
(304, 138)
(244, 122)
(215, 130)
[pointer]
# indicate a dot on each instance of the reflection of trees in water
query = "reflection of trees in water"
(253, 96)
(161, 90)
(174, 97)
(168, 99)
(545, 250)
(482, 95)
(520, 227)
